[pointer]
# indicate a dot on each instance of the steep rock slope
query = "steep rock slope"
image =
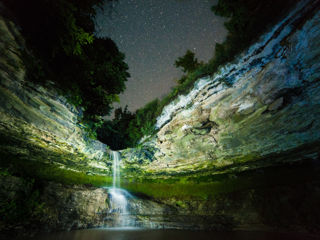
(36, 123)
(241, 150)
(27, 208)
(262, 110)
(41, 138)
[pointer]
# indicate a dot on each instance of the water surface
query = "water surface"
(119, 234)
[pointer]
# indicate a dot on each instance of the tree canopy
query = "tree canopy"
(246, 21)
(115, 133)
(188, 62)
(91, 72)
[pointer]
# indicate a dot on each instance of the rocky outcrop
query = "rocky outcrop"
(28, 207)
(262, 110)
(36, 122)
(289, 208)
(74, 207)
(241, 150)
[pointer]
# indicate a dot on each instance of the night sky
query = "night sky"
(153, 34)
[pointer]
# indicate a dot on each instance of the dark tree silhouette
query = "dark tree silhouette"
(188, 62)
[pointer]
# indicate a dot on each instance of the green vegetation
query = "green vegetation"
(50, 172)
(115, 133)
(246, 21)
(188, 62)
(91, 72)
(127, 128)
(201, 186)
(25, 206)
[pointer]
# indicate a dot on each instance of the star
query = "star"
(153, 34)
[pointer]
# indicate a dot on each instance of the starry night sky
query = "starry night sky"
(153, 34)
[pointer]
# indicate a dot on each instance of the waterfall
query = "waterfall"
(119, 197)
(116, 169)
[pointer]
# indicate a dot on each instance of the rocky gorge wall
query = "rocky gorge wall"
(241, 151)
(29, 207)
(36, 122)
(243, 146)
(261, 110)
(42, 139)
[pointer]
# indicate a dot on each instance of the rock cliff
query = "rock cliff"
(241, 150)
(243, 146)
(42, 139)
(28, 207)
(261, 110)
(36, 122)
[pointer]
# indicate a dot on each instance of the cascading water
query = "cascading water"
(119, 197)
(116, 169)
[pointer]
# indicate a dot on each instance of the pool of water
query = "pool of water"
(139, 234)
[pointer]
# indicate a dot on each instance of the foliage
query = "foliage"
(91, 124)
(127, 128)
(115, 133)
(247, 20)
(91, 72)
(4, 172)
(188, 62)
(144, 121)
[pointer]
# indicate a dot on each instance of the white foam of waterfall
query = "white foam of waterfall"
(116, 158)
(256, 57)
(119, 197)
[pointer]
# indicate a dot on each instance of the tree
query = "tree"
(188, 62)
(91, 72)
(246, 21)
(115, 133)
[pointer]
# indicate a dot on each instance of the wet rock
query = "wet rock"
(47, 206)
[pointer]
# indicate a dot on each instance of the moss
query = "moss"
(51, 172)
(200, 186)
(17, 146)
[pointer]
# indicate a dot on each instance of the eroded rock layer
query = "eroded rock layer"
(37, 123)
(242, 148)
(262, 110)
(28, 207)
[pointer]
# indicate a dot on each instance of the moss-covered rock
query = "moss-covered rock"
(29, 206)
(245, 155)
(271, 110)
(243, 152)
(36, 123)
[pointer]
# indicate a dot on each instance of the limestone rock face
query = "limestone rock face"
(252, 112)
(213, 163)
(74, 207)
(241, 150)
(37, 123)
(28, 207)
